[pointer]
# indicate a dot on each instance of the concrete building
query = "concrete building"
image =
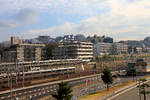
(119, 48)
(15, 40)
(146, 50)
(19, 51)
(95, 39)
(102, 49)
(110, 48)
(80, 37)
(136, 50)
(67, 38)
(74, 50)
(139, 50)
(143, 68)
(44, 39)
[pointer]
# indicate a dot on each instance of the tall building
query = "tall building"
(19, 51)
(74, 50)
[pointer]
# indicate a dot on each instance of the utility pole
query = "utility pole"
(139, 90)
(11, 84)
(23, 76)
(8, 75)
(115, 67)
(31, 66)
(16, 72)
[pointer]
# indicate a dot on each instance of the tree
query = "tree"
(63, 92)
(49, 48)
(97, 58)
(1, 50)
(107, 77)
(94, 67)
(143, 88)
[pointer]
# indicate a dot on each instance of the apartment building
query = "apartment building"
(15, 40)
(74, 50)
(119, 48)
(102, 49)
(110, 48)
(19, 51)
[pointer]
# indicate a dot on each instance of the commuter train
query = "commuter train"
(36, 70)
(35, 74)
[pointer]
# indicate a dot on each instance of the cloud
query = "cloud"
(87, 7)
(29, 16)
(8, 24)
(24, 16)
(127, 17)
(118, 18)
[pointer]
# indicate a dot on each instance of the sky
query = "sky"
(120, 19)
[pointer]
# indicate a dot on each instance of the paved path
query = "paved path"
(131, 95)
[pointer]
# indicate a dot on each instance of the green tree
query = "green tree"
(49, 48)
(143, 88)
(133, 72)
(106, 58)
(107, 77)
(94, 66)
(1, 50)
(63, 92)
(97, 58)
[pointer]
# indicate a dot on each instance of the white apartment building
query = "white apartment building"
(120, 48)
(74, 50)
(110, 48)
(102, 49)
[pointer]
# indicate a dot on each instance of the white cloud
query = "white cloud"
(88, 7)
(123, 17)
(110, 17)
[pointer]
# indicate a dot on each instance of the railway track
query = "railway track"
(40, 78)
(30, 92)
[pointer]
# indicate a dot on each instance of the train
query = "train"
(36, 70)
(33, 75)
(43, 61)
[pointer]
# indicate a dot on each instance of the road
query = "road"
(133, 94)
